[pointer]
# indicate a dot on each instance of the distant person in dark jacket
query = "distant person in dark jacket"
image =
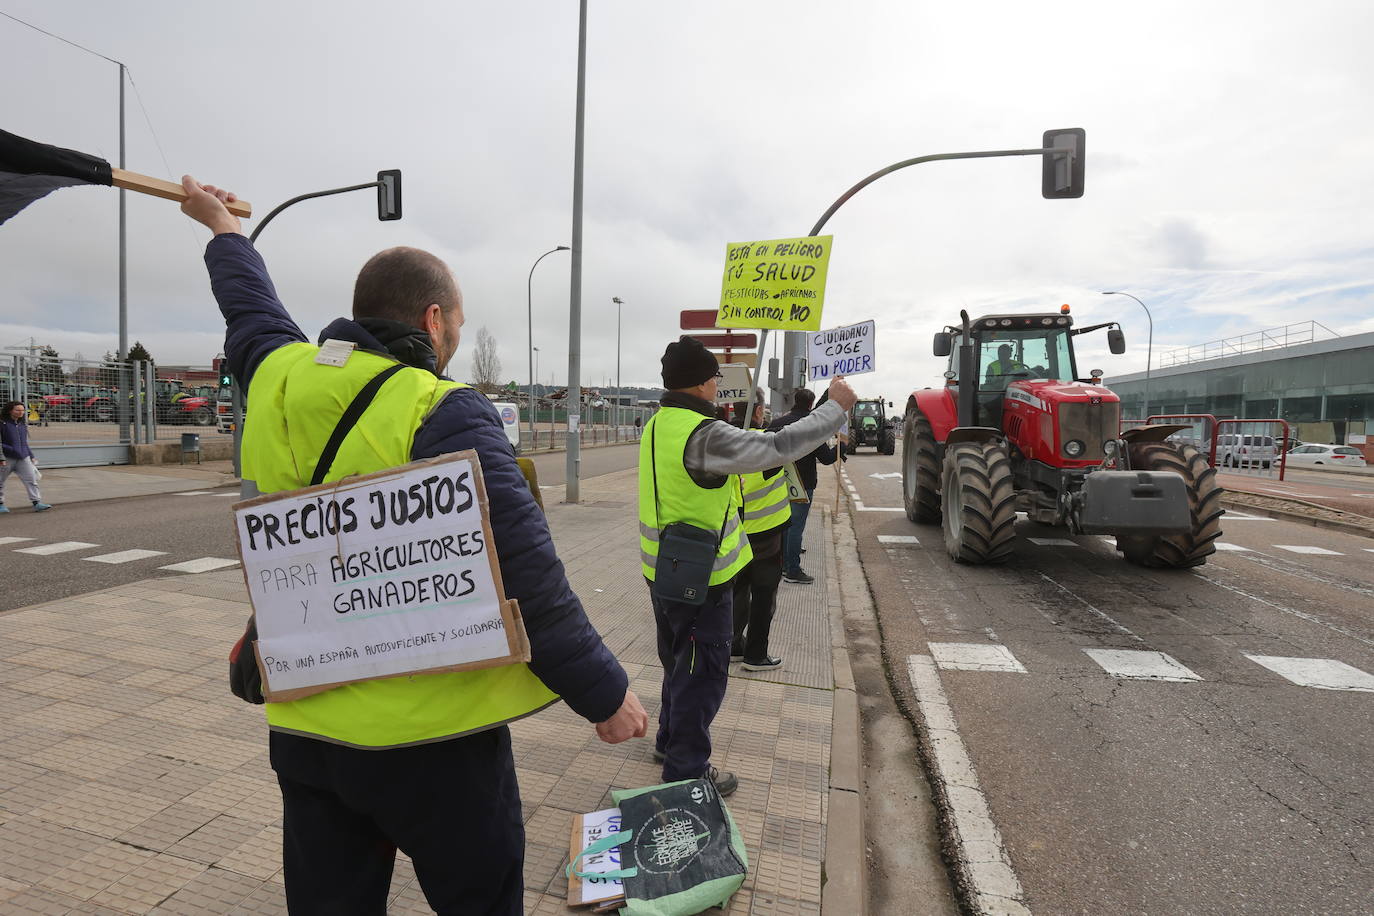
(792, 570)
(16, 457)
(448, 799)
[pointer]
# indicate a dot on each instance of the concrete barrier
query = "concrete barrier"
(212, 448)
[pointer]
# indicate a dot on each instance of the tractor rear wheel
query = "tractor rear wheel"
(920, 470)
(887, 445)
(203, 416)
(979, 503)
(1192, 548)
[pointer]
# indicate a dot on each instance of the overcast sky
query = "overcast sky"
(1228, 167)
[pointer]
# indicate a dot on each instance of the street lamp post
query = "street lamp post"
(618, 303)
(534, 376)
(1149, 346)
(529, 316)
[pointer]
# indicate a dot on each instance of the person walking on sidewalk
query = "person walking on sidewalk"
(687, 464)
(16, 456)
(792, 570)
(421, 763)
(765, 517)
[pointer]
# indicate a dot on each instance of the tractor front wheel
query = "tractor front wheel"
(979, 503)
(920, 470)
(1193, 547)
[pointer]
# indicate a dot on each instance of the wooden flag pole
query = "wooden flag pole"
(167, 190)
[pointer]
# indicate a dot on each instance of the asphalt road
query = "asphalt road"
(1230, 790)
(179, 528)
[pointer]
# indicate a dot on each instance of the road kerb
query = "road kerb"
(1295, 516)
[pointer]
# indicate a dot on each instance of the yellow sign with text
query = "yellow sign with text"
(778, 285)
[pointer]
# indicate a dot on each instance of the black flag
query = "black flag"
(29, 170)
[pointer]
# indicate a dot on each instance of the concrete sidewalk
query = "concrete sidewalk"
(131, 781)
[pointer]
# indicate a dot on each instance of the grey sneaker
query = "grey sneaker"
(726, 782)
(4, 510)
(767, 663)
(798, 575)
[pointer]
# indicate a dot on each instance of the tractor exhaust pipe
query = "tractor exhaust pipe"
(968, 376)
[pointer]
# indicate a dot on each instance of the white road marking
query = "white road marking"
(46, 550)
(1301, 615)
(125, 556)
(204, 564)
(1233, 516)
(972, 656)
(193, 493)
(1096, 611)
(898, 539)
(984, 858)
(1141, 665)
(1325, 673)
(14, 540)
(1303, 548)
(1053, 542)
(1222, 545)
(886, 476)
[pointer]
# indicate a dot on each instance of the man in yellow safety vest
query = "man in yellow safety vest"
(688, 462)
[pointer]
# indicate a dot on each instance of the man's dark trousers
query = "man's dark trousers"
(796, 529)
(756, 592)
(694, 649)
(452, 806)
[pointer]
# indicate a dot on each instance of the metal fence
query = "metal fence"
(89, 412)
(1254, 448)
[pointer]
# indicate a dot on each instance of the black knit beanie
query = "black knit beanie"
(687, 363)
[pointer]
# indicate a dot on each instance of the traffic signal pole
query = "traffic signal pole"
(1061, 177)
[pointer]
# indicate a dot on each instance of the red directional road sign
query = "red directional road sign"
(698, 319)
(729, 341)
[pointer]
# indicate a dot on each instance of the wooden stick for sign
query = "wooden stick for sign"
(167, 190)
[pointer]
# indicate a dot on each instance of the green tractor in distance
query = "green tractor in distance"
(869, 424)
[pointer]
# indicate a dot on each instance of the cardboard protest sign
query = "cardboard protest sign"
(734, 384)
(586, 830)
(842, 351)
(382, 575)
(775, 285)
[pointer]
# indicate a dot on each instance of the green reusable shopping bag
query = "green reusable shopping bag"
(680, 851)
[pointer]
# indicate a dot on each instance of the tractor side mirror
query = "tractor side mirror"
(389, 194)
(1116, 341)
(890, 404)
(944, 343)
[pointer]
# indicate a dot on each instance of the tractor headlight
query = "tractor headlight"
(1109, 447)
(1073, 448)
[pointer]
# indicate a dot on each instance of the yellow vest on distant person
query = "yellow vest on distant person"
(766, 505)
(681, 499)
(297, 402)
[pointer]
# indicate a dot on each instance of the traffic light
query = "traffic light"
(226, 380)
(1061, 174)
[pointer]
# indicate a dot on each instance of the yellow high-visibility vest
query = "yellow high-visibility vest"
(297, 402)
(681, 499)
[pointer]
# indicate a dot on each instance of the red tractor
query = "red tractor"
(1015, 430)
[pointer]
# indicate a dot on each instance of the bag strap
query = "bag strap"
(608, 841)
(349, 420)
(653, 464)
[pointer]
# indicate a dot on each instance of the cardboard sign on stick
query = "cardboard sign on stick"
(841, 351)
(775, 285)
(382, 575)
(734, 384)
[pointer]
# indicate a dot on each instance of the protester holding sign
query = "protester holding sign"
(802, 400)
(692, 542)
(422, 763)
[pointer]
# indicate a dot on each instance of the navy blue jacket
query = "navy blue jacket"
(567, 652)
(14, 440)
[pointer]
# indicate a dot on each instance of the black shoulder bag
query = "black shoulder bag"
(245, 680)
(686, 553)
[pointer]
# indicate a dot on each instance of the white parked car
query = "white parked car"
(1330, 455)
(1237, 451)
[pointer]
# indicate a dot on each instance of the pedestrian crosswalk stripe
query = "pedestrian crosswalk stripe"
(1053, 542)
(193, 493)
(125, 556)
(1222, 545)
(204, 564)
(1303, 548)
(1323, 673)
(897, 539)
(966, 656)
(1141, 665)
(45, 550)
(14, 540)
